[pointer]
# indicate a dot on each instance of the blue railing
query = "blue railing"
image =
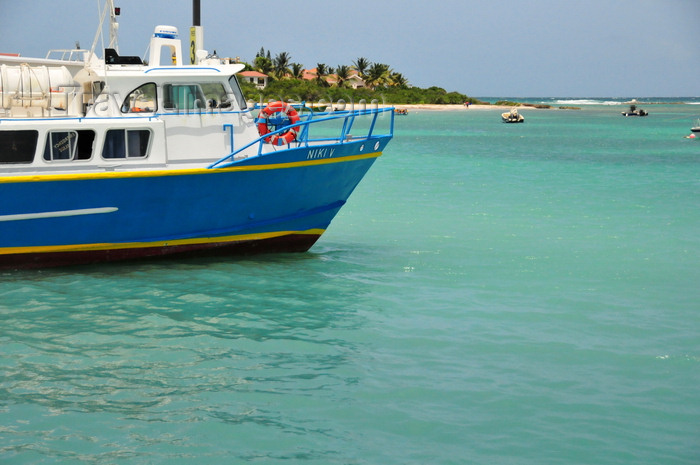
(303, 138)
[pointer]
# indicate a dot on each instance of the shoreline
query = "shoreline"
(462, 107)
(523, 106)
(502, 108)
(443, 107)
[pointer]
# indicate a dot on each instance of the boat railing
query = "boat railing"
(76, 55)
(304, 138)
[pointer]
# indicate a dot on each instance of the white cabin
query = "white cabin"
(121, 112)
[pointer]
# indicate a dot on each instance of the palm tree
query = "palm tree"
(361, 65)
(377, 75)
(263, 65)
(281, 65)
(342, 72)
(297, 70)
(397, 80)
(321, 72)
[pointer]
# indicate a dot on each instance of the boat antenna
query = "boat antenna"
(196, 32)
(196, 13)
(114, 26)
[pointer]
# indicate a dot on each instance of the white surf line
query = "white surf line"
(57, 214)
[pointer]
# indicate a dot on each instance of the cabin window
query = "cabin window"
(69, 145)
(183, 97)
(18, 146)
(237, 92)
(215, 95)
(126, 143)
(141, 100)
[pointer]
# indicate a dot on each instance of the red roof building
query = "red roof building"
(255, 77)
(354, 79)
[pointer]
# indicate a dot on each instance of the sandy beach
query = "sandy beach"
(412, 106)
(460, 107)
(448, 107)
(420, 106)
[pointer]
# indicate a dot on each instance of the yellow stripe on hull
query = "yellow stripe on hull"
(178, 172)
(143, 245)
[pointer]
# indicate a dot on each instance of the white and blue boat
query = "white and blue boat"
(695, 129)
(112, 159)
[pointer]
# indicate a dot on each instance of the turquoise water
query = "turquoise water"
(491, 294)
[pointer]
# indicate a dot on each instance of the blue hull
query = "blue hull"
(273, 203)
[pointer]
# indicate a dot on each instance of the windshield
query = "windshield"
(237, 92)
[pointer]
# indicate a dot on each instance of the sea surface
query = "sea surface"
(490, 294)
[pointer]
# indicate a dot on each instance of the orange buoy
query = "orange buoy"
(284, 137)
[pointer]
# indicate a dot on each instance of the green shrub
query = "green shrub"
(311, 91)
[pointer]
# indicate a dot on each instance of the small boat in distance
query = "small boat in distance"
(400, 111)
(696, 128)
(634, 111)
(512, 116)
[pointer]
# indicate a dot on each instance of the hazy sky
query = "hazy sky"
(514, 48)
